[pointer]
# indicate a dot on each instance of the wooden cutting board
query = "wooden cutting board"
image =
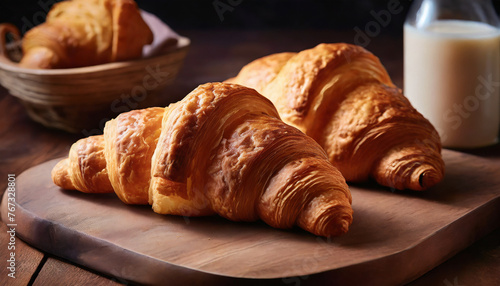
(395, 236)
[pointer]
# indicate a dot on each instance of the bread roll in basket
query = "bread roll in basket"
(79, 99)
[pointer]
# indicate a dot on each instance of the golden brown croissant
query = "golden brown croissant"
(342, 96)
(86, 32)
(221, 150)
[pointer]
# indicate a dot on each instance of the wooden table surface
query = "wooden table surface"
(214, 56)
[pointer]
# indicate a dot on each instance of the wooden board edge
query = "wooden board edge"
(98, 255)
(52, 235)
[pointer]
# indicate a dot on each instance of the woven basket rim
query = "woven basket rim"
(182, 43)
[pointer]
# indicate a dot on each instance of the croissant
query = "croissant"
(342, 96)
(86, 32)
(221, 150)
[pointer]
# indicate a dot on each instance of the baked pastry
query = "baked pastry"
(81, 33)
(221, 150)
(342, 96)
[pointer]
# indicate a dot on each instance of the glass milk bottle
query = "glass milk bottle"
(451, 69)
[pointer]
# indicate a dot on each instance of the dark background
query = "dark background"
(300, 23)
(238, 14)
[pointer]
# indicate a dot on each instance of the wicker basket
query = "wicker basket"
(78, 99)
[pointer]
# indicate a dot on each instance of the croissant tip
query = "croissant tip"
(341, 226)
(345, 226)
(420, 180)
(429, 178)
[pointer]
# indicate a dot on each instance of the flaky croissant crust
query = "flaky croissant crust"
(342, 96)
(221, 150)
